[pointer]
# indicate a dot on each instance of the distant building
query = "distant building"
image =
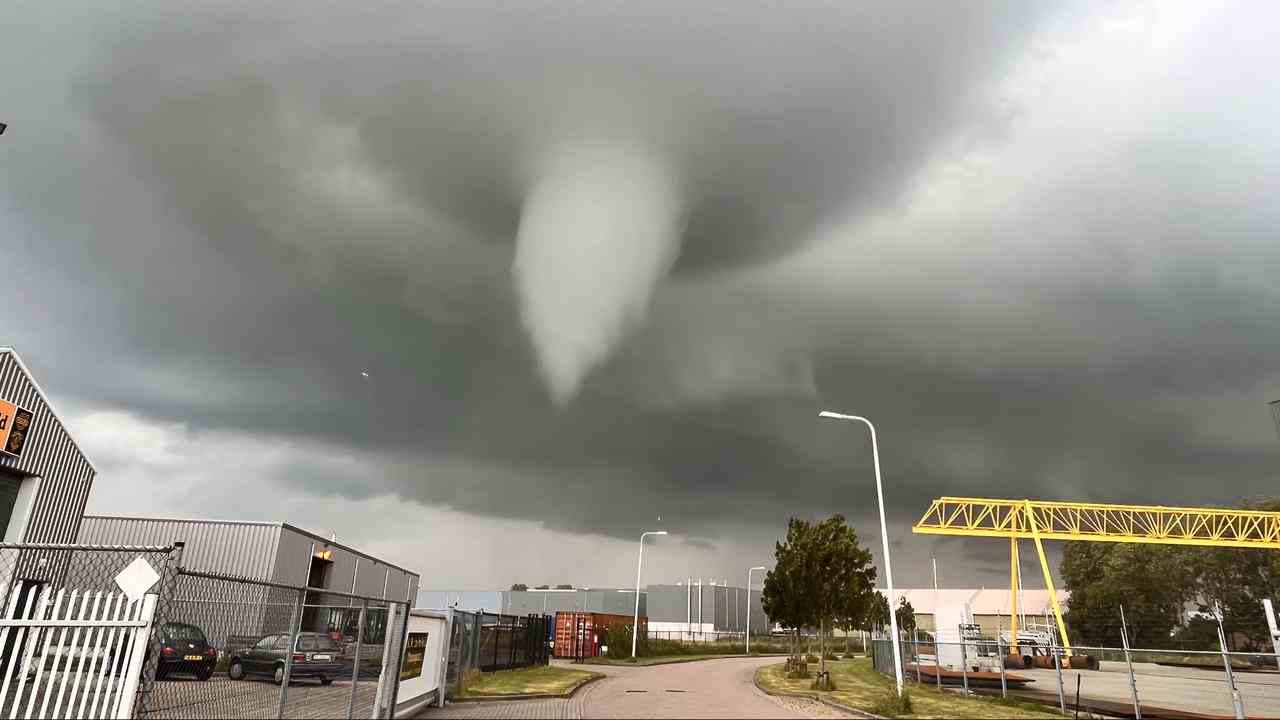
(704, 608)
(987, 607)
(616, 601)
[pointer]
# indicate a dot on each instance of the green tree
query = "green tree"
(542, 587)
(564, 587)
(821, 576)
(519, 587)
(906, 615)
(878, 614)
(1153, 583)
(1238, 579)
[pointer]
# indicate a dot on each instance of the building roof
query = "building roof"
(44, 397)
(259, 523)
(982, 601)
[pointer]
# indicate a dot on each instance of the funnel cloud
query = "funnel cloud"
(598, 231)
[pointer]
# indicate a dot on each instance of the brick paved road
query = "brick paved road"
(705, 689)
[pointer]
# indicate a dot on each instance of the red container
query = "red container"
(592, 630)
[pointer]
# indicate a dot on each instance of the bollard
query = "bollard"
(1128, 659)
(964, 663)
(1057, 665)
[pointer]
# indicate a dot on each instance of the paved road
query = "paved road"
(1190, 689)
(704, 689)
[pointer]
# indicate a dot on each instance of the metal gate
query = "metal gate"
(73, 654)
(72, 642)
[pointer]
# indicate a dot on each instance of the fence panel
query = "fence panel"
(489, 642)
(270, 650)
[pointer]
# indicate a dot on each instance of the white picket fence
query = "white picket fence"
(75, 654)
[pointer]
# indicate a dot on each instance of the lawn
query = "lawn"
(659, 659)
(544, 680)
(860, 686)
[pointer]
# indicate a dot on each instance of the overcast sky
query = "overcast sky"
(604, 262)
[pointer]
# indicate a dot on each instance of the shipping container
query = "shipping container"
(586, 634)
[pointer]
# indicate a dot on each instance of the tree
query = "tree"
(519, 587)
(564, 587)
(905, 615)
(542, 587)
(1152, 582)
(1238, 579)
(821, 576)
(878, 614)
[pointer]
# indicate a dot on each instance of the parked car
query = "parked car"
(184, 649)
(315, 655)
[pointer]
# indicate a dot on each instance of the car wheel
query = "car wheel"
(236, 670)
(279, 678)
(161, 672)
(204, 673)
(326, 680)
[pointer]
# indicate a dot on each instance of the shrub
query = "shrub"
(811, 658)
(893, 705)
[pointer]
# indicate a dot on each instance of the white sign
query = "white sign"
(137, 579)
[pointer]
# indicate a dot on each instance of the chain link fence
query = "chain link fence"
(234, 647)
(49, 665)
(1101, 681)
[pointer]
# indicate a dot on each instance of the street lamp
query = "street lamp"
(884, 538)
(635, 622)
(749, 571)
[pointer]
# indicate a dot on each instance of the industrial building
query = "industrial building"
(697, 607)
(614, 601)
(44, 477)
(942, 611)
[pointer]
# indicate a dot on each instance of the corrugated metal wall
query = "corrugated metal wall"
(243, 549)
(51, 454)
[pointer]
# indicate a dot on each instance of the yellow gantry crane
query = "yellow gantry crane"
(1040, 520)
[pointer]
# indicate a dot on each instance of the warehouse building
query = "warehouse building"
(273, 552)
(697, 607)
(942, 611)
(44, 477)
(613, 601)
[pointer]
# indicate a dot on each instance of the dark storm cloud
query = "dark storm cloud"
(231, 212)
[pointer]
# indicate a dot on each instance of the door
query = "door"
(255, 659)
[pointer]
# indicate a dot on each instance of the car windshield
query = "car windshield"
(185, 633)
(316, 642)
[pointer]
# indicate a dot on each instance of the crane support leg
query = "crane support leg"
(1014, 649)
(1048, 579)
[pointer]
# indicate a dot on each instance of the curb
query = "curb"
(814, 696)
(531, 696)
(685, 659)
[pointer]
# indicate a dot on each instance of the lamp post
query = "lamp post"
(635, 622)
(749, 571)
(884, 538)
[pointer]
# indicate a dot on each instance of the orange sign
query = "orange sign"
(15, 427)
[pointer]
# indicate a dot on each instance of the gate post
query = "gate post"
(355, 666)
(124, 704)
(295, 625)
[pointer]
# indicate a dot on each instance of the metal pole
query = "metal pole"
(1236, 700)
(964, 662)
(884, 539)
(749, 571)
(1128, 659)
(355, 667)
(298, 606)
(1057, 665)
(1270, 613)
(937, 656)
(915, 652)
(1004, 685)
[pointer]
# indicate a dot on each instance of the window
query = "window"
(282, 642)
(312, 643)
(266, 643)
(185, 633)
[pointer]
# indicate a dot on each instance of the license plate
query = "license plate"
(321, 657)
(191, 657)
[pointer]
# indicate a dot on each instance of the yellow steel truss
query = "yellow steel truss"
(983, 517)
(1040, 520)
